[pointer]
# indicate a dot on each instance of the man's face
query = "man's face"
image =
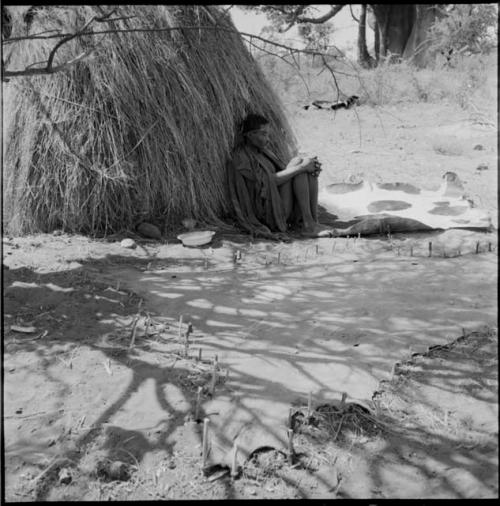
(259, 137)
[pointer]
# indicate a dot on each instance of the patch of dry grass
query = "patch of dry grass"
(471, 83)
(449, 146)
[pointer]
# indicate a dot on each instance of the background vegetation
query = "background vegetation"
(460, 64)
(468, 83)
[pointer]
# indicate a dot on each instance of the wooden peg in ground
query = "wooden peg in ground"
(214, 377)
(342, 401)
(134, 330)
(290, 418)
(180, 327)
(204, 455)
(393, 370)
(197, 407)
(186, 341)
(234, 463)
(290, 446)
(309, 405)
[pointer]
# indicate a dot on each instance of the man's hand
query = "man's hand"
(316, 167)
(303, 164)
(308, 164)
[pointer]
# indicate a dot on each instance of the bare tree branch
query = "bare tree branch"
(64, 41)
(325, 63)
(329, 15)
(223, 13)
(6, 74)
(85, 163)
(49, 68)
(294, 65)
(66, 37)
(298, 11)
(352, 14)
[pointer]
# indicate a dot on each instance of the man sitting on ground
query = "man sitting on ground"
(267, 195)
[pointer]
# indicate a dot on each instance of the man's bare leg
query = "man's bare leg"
(313, 196)
(286, 194)
(307, 196)
(301, 191)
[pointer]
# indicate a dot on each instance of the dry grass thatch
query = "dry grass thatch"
(141, 129)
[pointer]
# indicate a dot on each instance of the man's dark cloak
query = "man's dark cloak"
(254, 192)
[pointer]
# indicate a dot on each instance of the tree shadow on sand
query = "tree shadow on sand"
(80, 313)
(92, 313)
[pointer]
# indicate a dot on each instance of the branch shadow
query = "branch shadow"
(228, 313)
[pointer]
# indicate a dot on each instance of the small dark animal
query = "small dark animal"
(326, 104)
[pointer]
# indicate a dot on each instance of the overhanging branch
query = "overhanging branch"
(49, 67)
(321, 19)
(66, 37)
(352, 14)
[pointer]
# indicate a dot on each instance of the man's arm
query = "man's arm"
(296, 166)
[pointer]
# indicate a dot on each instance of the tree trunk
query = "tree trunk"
(396, 23)
(376, 43)
(416, 48)
(364, 57)
(6, 23)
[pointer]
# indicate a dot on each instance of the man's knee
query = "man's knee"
(301, 179)
(312, 180)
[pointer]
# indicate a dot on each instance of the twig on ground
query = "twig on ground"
(39, 413)
(107, 366)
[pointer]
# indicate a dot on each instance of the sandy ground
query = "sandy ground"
(405, 143)
(97, 388)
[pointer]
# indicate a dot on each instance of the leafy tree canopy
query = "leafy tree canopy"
(466, 28)
(283, 17)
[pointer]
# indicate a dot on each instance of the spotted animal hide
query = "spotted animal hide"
(373, 208)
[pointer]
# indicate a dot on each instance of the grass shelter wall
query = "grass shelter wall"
(140, 128)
